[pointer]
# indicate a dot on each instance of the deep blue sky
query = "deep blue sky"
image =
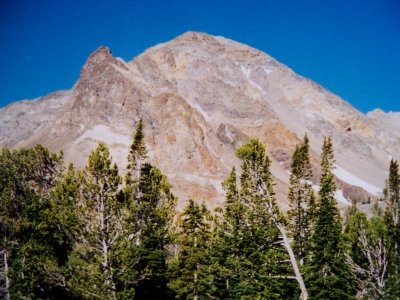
(352, 48)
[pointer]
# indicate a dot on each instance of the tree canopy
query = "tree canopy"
(70, 233)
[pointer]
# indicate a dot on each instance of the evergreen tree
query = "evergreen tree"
(251, 244)
(27, 239)
(233, 247)
(265, 218)
(392, 197)
(302, 202)
(189, 269)
(154, 211)
(102, 232)
(63, 216)
(231, 243)
(367, 254)
(137, 155)
(326, 271)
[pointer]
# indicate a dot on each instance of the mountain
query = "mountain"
(201, 97)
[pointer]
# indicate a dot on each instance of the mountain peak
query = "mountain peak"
(101, 53)
(194, 36)
(201, 97)
(96, 62)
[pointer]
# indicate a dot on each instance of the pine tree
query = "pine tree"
(257, 192)
(189, 269)
(63, 217)
(102, 233)
(367, 254)
(392, 197)
(27, 240)
(152, 210)
(251, 245)
(301, 197)
(232, 245)
(137, 155)
(326, 271)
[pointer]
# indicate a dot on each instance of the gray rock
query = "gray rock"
(201, 97)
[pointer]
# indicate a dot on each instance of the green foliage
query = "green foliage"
(327, 272)
(154, 210)
(151, 214)
(249, 261)
(301, 201)
(189, 269)
(367, 254)
(137, 155)
(101, 232)
(85, 235)
(392, 198)
(256, 181)
(231, 245)
(28, 241)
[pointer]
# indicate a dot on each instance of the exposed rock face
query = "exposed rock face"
(201, 97)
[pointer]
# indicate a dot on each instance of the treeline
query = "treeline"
(89, 234)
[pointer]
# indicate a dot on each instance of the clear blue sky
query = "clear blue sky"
(350, 47)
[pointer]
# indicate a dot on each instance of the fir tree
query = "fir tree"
(152, 210)
(189, 269)
(301, 197)
(137, 155)
(392, 197)
(136, 158)
(232, 246)
(326, 271)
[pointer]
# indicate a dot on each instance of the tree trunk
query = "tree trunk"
(299, 277)
(7, 280)
(286, 243)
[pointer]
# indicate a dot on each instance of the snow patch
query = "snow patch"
(340, 198)
(268, 71)
(338, 195)
(102, 133)
(247, 71)
(203, 113)
(390, 157)
(256, 85)
(351, 179)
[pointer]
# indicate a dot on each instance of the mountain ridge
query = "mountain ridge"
(212, 95)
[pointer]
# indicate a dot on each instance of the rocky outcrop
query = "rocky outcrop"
(201, 97)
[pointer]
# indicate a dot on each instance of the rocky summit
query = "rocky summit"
(201, 97)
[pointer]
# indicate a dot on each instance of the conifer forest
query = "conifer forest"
(91, 234)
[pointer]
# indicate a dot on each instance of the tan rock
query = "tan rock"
(201, 97)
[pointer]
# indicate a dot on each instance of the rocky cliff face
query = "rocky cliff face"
(201, 97)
